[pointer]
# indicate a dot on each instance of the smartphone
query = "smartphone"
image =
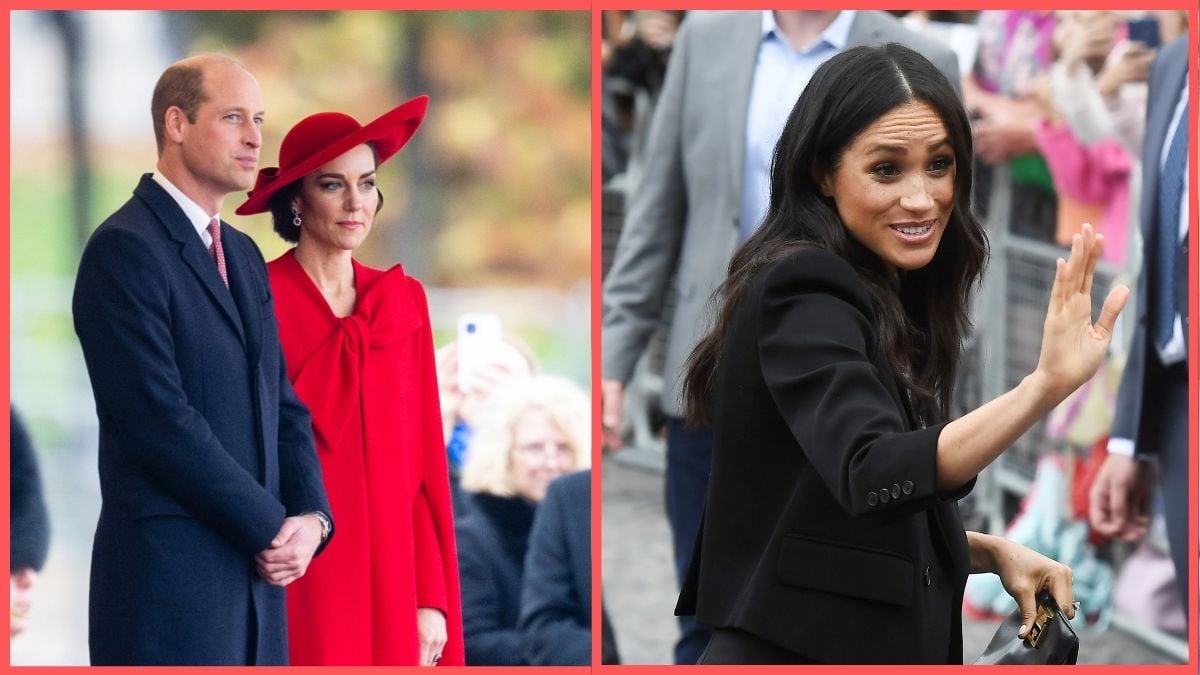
(1145, 31)
(478, 335)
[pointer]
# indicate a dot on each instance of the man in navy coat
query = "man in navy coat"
(212, 492)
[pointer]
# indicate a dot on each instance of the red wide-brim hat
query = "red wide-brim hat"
(325, 136)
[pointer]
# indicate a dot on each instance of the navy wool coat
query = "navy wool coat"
(204, 447)
(556, 594)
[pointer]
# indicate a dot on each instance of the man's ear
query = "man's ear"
(173, 120)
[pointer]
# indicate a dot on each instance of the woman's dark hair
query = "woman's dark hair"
(280, 205)
(922, 314)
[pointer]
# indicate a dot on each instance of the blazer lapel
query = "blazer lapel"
(745, 36)
(191, 247)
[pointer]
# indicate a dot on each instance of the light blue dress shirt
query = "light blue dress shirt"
(780, 74)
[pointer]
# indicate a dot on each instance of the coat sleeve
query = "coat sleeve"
(554, 627)
(431, 582)
(121, 309)
(648, 247)
(301, 484)
(300, 471)
(816, 332)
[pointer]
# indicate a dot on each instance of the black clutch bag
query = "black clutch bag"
(1051, 640)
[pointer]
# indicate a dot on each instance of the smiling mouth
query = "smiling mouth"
(914, 230)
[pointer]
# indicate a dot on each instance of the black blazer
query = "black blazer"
(823, 532)
(204, 447)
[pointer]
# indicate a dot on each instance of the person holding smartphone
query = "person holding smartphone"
(359, 351)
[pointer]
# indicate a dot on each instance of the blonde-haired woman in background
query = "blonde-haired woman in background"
(535, 430)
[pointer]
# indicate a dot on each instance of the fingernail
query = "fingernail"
(1021, 631)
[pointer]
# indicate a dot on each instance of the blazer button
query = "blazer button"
(872, 499)
(895, 491)
(907, 488)
(928, 577)
(885, 496)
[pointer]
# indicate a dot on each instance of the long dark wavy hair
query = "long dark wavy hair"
(922, 314)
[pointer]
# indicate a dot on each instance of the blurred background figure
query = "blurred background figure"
(635, 46)
(534, 430)
(1150, 423)
(1094, 103)
(953, 28)
(1015, 49)
(489, 205)
(29, 524)
(556, 593)
(502, 362)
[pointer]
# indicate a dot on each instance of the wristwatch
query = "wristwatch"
(326, 525)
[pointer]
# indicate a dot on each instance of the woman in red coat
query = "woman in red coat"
(360, 354)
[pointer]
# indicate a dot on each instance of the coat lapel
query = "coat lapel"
(245, 288)
(191, 247)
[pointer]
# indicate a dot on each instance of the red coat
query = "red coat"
(369, 381)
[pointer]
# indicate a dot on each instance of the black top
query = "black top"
(493, 537)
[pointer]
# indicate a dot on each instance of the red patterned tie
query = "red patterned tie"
(218, 253)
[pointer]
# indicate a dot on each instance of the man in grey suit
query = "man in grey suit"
(1151, 417)
(732, 80)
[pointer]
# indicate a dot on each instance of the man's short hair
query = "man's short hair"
(181, 85)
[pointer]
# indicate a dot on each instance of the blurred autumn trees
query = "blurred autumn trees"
(493, 190)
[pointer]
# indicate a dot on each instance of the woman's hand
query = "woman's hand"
(1023, 572)
(431, 632)
(1072, 346)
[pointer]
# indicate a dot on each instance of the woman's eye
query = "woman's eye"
(331, 185)
(369, 185)
(887, 170)
(941, 164)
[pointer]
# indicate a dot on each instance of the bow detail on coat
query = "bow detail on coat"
(384, 315)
